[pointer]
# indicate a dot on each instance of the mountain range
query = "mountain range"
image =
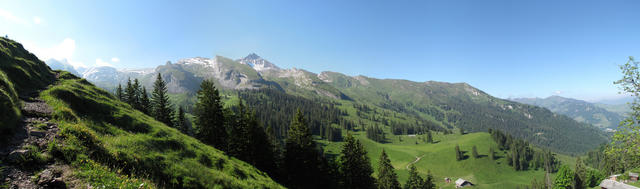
(600, 115)
(448, 105)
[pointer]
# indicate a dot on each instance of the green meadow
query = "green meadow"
(439, 159)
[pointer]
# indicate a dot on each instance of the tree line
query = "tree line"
(157, 106)
(521, 156)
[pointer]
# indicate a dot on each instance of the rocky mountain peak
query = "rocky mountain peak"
(258, 63)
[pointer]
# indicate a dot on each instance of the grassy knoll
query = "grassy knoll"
(439, 158)
(103, 135)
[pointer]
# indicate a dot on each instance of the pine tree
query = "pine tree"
(137, 95)
(249, 142)
(429, 137)
(180, 121)
(301, 160)
(355, 166)
(239, 136)
(492, 153)
(145, 103)
(210, 119)
(474, 152)
(564, 178)
(458, 153)
(579, 175)
(429, 183)
(130, 94)
(119, 93)
(387, 178)
(161, 108)
(414, 181)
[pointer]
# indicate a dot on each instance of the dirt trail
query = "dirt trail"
(35, 130)
(416, 161)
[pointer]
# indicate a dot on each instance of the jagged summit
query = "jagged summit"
(252, 56)
(258, 63)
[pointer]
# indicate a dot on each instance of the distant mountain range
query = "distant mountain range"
(600, 115)
(448, 105)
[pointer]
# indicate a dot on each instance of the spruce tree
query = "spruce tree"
(249, 142)
(180, 123)
(301, 159)
(579, 175)
(429, 183)
(387, 178)
(137, 95)
(210, 119)
(130, 94)
(119, 93)
(414, 181)
(474, 152)
(161, 108)
(429, 137)
(145, 103)
(458, 153)
(355, 166)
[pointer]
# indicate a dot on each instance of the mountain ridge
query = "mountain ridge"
(450, 105)
(579, 110)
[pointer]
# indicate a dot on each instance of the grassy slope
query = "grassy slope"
(439, 158)
(99, 128)
(20, 73)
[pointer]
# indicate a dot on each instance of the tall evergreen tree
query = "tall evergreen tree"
(130, 94)
(474, 152)
(301, 159)
(414, 181)
(210, 119)
(459, 154)
(249, 142)
(137, 95)
(180, 121)
(355, 166)
(579, 175)
(145, 103)
(429, 137)
(564, 178)
(429, 183)
(387, 178)
(119, 93)
(161, 107)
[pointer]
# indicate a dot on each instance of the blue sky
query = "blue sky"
(506, 48)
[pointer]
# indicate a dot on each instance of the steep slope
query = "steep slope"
(107, 143)
(579, 110)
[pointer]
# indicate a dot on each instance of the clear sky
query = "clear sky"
(506, 48)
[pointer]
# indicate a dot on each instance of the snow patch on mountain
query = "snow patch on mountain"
(258, 63)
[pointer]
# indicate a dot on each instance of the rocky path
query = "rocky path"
(20, 168)
(416, 161)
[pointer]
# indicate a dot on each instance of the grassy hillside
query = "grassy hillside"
(96, 127)
(108, 143)
(20, 73)
(439, 158)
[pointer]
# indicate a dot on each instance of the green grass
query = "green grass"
(100, 132)
(9, 104)
(439, 158)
